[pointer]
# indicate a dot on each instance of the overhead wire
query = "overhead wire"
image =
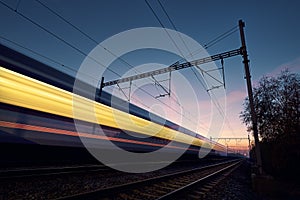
(162, 25)
(57, 37)
(57, 62)
(82, 32)
(175, 28)
(92, 39)
(80, 51)
(52, 34)
(221, 37)
(45, 57)
(179, 34)
(17, 6)
(207, 45)
(173, 25)
(89, 37)
(190, 54)
(215, 41)
(75, 48)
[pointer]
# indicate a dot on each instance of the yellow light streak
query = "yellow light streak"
(19, 90)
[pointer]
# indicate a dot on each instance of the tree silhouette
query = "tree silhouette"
(277, 105)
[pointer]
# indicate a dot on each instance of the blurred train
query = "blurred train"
(36, 110)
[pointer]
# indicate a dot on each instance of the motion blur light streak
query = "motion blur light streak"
(23, 91)
(72, 133)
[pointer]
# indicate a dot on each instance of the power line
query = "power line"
(163, 8)
(80, 51)
(226, 34)
(77, 49)
(75, 27)
(17, 6)
(221, 37)
(173, 24)
(209, 44)
(89, 37)
(86, 35)
(46, 57)
(153, 12)
(162, 25)
(156, 16)
(56, 62)
(206, 46)
(54, 35)
(82, 32)
(214, 41)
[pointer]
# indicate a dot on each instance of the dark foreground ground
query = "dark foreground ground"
(236, 186)
(239, 185)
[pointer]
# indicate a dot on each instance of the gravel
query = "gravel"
(51, 187)
(236, 186)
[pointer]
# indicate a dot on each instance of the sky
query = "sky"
(272, 35)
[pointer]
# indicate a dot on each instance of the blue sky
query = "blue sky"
(272, 35)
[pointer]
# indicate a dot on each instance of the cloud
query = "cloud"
(235, 96)
(292, 66)
(234, 100)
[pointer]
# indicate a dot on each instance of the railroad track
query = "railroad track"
(201, 187)
(58, 170)
(189, 184)
(48, 171)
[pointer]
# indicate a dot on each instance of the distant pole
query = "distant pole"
(249, 145)
(250, 96)
(101, 86)
(226, 149)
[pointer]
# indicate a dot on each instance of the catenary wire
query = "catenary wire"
(57, 62)
(209, 44)
(81, 52)
(173, 25)
(92, 39)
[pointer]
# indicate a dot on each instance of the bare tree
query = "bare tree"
(277, 105)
